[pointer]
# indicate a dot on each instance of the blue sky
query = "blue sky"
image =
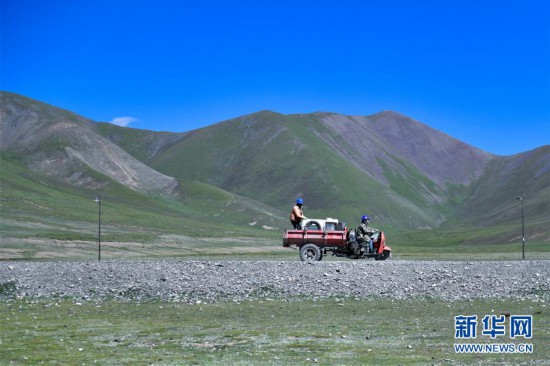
(476, 70)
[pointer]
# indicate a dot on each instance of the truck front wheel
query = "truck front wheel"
(310, 253)
(386, 254)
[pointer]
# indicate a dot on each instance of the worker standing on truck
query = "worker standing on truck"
(364, 232)
(297, 214)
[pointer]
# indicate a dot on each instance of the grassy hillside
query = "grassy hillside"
(64, 145)
(141, 144)
(34, 205)
(492, 201)
(275, 158)
(239, 178)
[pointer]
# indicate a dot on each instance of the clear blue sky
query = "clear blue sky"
(478, 70)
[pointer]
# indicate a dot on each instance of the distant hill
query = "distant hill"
(60, 143)
(249, 170)
(54, 162)
(404, 173)
(382, 165)
(492, 200)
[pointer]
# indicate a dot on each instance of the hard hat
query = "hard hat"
(365, 217)
(299, 201)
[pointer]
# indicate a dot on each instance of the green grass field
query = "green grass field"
(242, 248)
(301, 331)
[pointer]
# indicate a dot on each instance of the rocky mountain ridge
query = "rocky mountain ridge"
(62, 144)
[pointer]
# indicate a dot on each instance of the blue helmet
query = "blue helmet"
(299, 201)
(365, 217)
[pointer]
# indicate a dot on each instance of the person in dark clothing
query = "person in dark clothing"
(364, 233)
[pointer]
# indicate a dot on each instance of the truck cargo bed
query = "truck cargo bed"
(322, 239)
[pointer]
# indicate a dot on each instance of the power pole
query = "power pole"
(522, 199)
(98, 201)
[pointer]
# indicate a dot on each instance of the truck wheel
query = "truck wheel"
(386, 254)
(310, 253)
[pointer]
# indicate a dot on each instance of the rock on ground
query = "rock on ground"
(198, 281)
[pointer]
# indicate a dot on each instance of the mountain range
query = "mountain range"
(241, 176)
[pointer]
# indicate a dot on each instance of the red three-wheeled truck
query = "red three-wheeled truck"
(320, 236)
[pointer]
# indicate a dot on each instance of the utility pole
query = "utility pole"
(522, 199)
(98, 201)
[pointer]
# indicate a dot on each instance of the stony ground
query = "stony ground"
(207, 281)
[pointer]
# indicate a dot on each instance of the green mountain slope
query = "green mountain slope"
(53, 163)
(493, 199)
(141, 144)
(240, 177)
(336, 163)
(42, 217)
(405, 174)
(62, 144)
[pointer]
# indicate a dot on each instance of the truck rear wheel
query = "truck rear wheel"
(310, 253)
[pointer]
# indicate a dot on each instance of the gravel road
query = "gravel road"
(207, 281)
